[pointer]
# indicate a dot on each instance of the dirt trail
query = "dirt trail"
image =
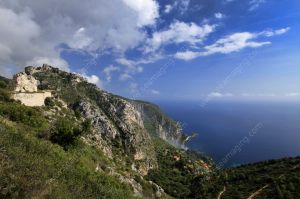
(257, 192)
(221, 193)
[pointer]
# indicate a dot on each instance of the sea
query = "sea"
(235, 133)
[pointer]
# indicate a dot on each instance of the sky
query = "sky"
(161, 50)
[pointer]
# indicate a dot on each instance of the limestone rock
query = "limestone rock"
(25, 83)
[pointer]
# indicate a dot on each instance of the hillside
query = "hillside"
(87, 143)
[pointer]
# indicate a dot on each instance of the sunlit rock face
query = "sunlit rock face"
(25, 83)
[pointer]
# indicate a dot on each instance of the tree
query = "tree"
(49, 102)
(65, 133)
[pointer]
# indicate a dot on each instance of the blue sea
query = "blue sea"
(233, 133)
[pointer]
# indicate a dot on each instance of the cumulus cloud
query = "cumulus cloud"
(254, 4)
(93, 79)
(33, 30)
(147, 11)
(109, 70)
(20, 43)
(231, 43)
(182, 5)
(55, 61)
(168, 8)
(135, 66)
(179, 32)
(219, 15)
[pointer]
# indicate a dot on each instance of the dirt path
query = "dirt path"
(257, 192)
(261, 189)
(221, 193)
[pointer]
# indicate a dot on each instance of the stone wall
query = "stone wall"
(32, 99)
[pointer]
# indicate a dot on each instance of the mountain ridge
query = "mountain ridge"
(97, 144)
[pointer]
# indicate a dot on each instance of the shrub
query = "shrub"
(4, 95)
(3, 84)
(49, 102)
(65, 133)
(22, 114)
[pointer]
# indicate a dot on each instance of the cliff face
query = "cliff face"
(117, 122)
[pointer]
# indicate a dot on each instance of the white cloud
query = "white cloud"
(187, 55)
(57, 62)
(132, 66)
(271, 33)
(254, 4)
(20, 44)
(217, 94)
(155, 92)
(147, 11)
(179, 32)
(294, 94)
(135, 66)
(182, 5)
(93, 79)
(109, 70)
(219, 15)
(232, 43)
(33, 29)
(80, 40)
(168, 8)
(125, 76)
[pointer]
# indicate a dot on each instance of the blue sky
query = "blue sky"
(147, 49)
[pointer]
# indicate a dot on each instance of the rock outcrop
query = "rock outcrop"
(26, 89)
(120, 126)
(25, 83)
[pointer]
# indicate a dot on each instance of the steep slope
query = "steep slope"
(119, 135)
(87, 143)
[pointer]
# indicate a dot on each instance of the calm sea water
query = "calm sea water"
(240, 132)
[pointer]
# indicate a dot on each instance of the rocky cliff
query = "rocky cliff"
(127, 132)
(83, 142)
(116, 120)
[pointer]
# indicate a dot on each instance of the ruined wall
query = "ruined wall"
(32, 99)
(26, 90)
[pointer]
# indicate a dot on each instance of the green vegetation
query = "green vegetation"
(44, 154)
(182, 174)
(31, 167)
(282, 178)
(16, 112)
(49, 102)
(4, 93)
(65, 133)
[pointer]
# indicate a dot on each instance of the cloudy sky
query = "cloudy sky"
(167, 49)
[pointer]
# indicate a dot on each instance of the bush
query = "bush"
(49, 102)
(22, 114)
(4, 95)
(3, 84)
(65, 133)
